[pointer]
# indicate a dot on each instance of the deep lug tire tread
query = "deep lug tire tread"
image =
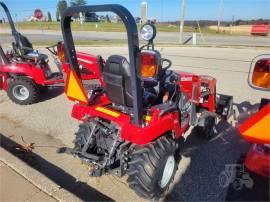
(80, 136)
(146, 167)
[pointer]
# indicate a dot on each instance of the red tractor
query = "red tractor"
(24, 72)
(260, 29)
(132, 122)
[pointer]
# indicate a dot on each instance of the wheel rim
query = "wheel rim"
(20, 92)
(167, 172)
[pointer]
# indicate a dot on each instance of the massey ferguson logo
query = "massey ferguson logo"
(186, 78)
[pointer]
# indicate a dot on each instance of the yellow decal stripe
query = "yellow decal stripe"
(108, 112)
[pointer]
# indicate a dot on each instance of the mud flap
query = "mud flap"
(224, 106)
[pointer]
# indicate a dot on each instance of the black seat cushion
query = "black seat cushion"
(116, 76)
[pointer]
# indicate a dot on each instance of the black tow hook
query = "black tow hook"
(79, 154)
(65, 150)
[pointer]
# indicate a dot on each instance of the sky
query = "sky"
(162, 10)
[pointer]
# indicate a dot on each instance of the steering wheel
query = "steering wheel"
(52, 49)
(167, 61)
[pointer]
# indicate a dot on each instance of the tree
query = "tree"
(57, 16)
(49, 17)
(78, 3)
(108, 20)
(61, 6)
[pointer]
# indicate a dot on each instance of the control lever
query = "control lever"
(94, 94)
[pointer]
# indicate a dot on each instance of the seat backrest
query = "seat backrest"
(24, 42)
(116, 76)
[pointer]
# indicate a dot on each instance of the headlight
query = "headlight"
(148, 32)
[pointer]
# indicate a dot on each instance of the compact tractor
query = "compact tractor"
(25, 73)
(133, 120)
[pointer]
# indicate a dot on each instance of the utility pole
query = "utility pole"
(144, 11)
(220, 14)
(182, 21)
(232, 24)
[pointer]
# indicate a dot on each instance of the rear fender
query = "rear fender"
(156, 126)
(25, 69)
(90, 62)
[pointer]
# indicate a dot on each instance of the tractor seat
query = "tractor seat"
(26, 50)
(33, 55)
(116, 76)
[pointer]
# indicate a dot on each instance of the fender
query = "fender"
(187, 80)
(157, 126)
(29, 70)
(90, 62)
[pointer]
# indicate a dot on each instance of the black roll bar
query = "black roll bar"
(133, 47)
(14, 32)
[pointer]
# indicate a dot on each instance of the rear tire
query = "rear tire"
(152, 168)
(82, 135)
(23, 91)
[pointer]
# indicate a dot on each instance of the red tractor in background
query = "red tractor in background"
(24, 72)
(134, 119)
(260, 29)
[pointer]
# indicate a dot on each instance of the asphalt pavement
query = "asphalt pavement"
(48, 124)
(162, 37)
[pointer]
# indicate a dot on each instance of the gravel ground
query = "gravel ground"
(202, 162)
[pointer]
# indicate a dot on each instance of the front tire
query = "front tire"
(23, 91)
(152, 168)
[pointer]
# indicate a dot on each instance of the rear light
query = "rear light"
(61, 52)
(149, 66)
(261, 74)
